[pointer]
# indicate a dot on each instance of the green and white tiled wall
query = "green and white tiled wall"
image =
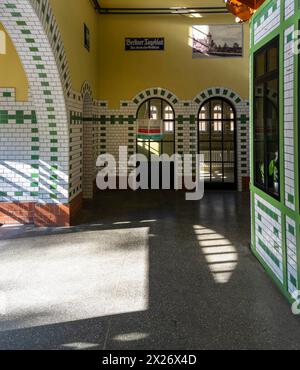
(114, 128)
(47, 153)
(276, 224)
(289, 155)
(46, 18)
(19, 173)
(268, 222)
(119, 126)
(289, 8)
(76, 147)
(292, 260)
(266, 20)
(50, 127)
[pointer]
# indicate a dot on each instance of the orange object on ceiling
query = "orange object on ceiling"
(243, 9)
(253, 4)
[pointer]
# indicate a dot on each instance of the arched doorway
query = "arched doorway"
(159, 137)
(217, 143)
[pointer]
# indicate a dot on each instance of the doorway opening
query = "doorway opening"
(217, 143)
(158, 138)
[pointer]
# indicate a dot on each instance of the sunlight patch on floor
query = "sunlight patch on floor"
(220, 254)
(61, 278)
(80, 346)
(131, 337)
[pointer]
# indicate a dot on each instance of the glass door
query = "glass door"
(217, 144)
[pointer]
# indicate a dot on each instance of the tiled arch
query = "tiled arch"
(223, 92)
(47, 149)
(86, 89)
(156, 92)
(44, 12)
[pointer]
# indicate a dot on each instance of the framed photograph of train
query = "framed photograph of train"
(218, 41)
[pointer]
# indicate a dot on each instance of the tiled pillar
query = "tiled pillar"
(88, 148)
(44, 178)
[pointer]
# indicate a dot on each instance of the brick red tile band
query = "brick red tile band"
(40, 214)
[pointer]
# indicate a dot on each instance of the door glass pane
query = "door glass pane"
(260, 62)
(156, 109)
(229, 130)
(217, 113)
(205, 150)
(155, 148)
(143, 112)
(206, 172)
(272, 59)
(228, 153)
(168, 113)
(216, 106)
(266, 122)
(204, 113)
(217, 116)
(168, 148)
(204, 131)
(143, 147)
(228, 112)
(216, 152)
(259, 135)
(216, 131)
(217, 172)
(169, 136)
(168, 127)
(272, 131)
(229, 175)
(203, 126)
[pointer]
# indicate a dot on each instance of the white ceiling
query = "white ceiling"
(159, 3)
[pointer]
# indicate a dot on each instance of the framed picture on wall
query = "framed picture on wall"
(86, 37)
(218, 41)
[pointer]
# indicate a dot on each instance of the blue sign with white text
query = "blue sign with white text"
(139, 44)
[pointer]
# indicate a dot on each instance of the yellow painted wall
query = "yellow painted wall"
(71, 16)
(12, 73)
(124, 74)
(117, 75)
(83, 64)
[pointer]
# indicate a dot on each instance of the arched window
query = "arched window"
(217, 143)
(149, 140)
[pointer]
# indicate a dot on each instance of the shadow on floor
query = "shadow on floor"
(204, 288)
